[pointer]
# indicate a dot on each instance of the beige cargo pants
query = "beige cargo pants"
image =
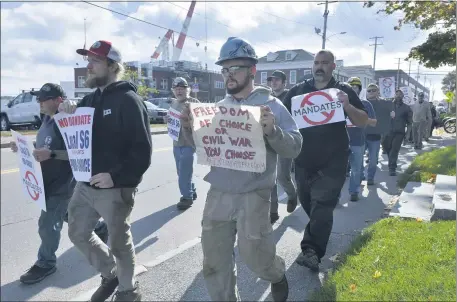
(114, 205)
(224, 216)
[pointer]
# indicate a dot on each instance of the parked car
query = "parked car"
(163, 103)
(23, 110)
(156, 114)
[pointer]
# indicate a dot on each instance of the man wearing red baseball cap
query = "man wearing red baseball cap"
(121, 154)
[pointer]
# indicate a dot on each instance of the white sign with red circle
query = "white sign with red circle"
(317, 108)
(30, 171)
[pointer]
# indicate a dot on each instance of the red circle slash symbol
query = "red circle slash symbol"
(306, 101)
(37, 194)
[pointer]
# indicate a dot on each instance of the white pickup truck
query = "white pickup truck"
(23, 110)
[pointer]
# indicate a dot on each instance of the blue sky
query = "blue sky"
(39, 39)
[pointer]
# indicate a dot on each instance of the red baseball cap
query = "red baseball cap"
(102, 49)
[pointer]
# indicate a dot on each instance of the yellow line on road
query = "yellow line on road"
(17, 170)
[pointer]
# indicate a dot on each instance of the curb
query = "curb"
(7, 145)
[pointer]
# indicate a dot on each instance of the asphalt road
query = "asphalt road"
(166, 240)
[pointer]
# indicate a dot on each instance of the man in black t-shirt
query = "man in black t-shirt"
(320, 169)
(284, 178)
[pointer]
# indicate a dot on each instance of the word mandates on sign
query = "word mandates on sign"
(76, 130)
(174, 123)
(229, 136)
(317, 108)
(30, 171)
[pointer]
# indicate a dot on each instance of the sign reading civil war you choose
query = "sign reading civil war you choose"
(76, 130)
(317, 108)
(229, 136)
(30, 171)
(174, 123)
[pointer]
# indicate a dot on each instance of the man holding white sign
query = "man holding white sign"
(183, 143)
(121, 154)
(58, 183)
(241, 180)
(320, 106)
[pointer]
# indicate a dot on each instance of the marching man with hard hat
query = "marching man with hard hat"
(238, 202)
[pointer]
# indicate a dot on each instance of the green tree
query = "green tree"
(448, 82)
(440, 47)
(132, 76)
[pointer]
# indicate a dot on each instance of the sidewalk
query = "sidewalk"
(179, 278)
(5, 140)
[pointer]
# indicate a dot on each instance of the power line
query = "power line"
(140, 20)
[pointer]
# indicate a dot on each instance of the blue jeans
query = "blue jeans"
(373, 155)
(184, 158)
(49, 229)
(356, 161)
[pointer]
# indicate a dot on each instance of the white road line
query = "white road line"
(170, 254)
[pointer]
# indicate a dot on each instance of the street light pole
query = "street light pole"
(324, 34)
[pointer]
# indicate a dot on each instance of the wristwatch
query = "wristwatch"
(53, 154)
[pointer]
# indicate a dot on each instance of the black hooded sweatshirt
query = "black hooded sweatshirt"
(121, 134)
(321, 144)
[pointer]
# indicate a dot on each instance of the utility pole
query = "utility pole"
(409, 72)
(375, 48)
(417, 79)
(398, 73)
(324, 34)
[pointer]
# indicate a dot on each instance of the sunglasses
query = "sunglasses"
(372, 90)
(233, 70)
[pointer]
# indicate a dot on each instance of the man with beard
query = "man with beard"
(421, 115)
(58, 183)
(320, 169)
(184, 147)
(278, 84)
(401, 116)
(374, 134)
(238, 201)
(121, 154)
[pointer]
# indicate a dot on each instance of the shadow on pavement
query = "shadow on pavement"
(72, 269)
(144, 227)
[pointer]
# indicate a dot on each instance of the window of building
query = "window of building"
(164, 84)
(263, 77)
(81, 81)
(293, 77)
(219, 84)
(288, 56)
(153, 83)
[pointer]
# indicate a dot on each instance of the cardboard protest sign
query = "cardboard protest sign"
(387, 87)
(229, 136)
(30, 171)
(317, 108)
(76, 130)
(408, 98)
(174, 123)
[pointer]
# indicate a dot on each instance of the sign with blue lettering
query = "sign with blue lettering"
(76, 130)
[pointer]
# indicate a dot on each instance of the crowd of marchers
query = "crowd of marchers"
(238, 204)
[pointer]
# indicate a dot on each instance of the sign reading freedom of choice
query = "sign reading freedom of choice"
(174, 123)
(30, 171)
(229, 136)
(317, 108)
(76, 130)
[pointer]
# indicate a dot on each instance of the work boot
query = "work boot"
(101, 230)
(105, 290)
(309, 259)
(274, 217)
(354, 197)
(184, 203)
(280, 290)
(129, 295)
(370, 182)
(292, 204)
(35, 274)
